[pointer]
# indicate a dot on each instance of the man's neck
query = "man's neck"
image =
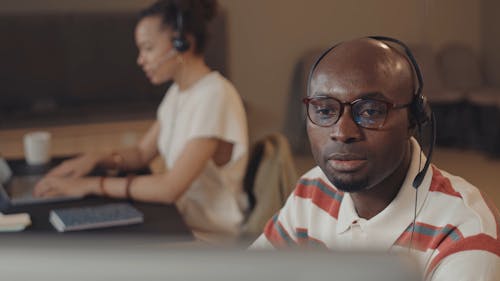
(369, 203)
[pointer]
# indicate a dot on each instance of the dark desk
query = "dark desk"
(159, 219)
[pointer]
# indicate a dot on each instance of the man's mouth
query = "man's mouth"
(346, 162)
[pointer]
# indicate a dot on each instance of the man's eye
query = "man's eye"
(369, 113)
(324, 111)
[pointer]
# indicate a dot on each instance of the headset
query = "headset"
(179, 40)
(419, 108)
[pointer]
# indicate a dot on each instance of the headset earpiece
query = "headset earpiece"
(421, 110)
(179, 40)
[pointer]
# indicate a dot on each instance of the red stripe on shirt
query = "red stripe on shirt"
(480, 242)
(302, 235)
(319, 198)
(274, 236)
(303, 238)
(442, 184)
(442, 237)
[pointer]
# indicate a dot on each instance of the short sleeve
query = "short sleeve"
(220, 114)
(468, 266)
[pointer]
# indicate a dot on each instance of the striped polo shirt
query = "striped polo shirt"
(456, 234)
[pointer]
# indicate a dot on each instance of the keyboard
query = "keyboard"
(108, 215)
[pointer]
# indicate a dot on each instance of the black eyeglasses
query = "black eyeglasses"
(367, 113)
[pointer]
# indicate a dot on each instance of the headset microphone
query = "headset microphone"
(417, 181)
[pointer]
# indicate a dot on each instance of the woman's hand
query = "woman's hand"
(76, 167)
(73, 187)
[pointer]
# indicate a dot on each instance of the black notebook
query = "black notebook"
(81, 218)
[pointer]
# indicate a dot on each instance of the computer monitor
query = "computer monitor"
(135, 259)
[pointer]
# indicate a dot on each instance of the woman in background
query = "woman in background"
(201, 129)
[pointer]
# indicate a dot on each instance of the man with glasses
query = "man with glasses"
(361, 194)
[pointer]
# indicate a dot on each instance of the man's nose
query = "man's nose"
(346, 130)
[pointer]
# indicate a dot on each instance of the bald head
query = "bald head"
(368, 65)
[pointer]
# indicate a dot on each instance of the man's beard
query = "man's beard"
(349, 186)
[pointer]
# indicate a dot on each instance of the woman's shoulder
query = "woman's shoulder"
(216, 86)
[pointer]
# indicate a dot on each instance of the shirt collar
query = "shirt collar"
(398, 215)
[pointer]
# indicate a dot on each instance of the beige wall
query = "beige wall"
(490, 21)
(267, 37)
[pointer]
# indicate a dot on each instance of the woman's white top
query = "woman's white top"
(211, 108)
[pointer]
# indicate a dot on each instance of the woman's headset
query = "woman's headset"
(419, 108)
(179, 40)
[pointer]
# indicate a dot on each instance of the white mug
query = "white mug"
(37, 147)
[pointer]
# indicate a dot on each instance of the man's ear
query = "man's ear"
(412, 127)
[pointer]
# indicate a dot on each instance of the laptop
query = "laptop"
(17, 182)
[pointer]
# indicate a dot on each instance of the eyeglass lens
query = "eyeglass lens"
(365, 112)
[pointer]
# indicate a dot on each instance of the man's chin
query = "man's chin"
(349, 185)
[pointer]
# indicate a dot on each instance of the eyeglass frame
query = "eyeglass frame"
(390, 106)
